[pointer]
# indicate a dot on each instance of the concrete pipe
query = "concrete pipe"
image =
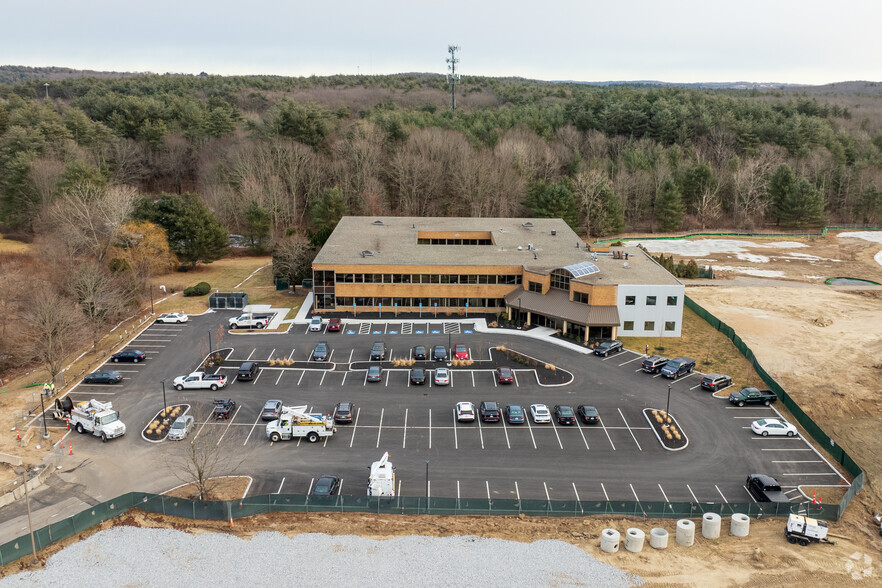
(658, 538)
(740, 525)
(710, 525)
(634, 540)
(609, 540)
(685, 532)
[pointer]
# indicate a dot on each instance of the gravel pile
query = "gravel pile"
(128, 556)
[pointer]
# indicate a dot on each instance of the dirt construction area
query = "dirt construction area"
(822, 343)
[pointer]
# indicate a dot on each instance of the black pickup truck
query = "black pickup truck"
(752, 396)
(765, 488)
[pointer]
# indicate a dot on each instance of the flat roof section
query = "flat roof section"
(557, 304)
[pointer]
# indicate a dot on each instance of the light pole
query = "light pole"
(668, 407)
(43, 416)
(427, 486)
(209, 342)
(24, 473)
(151, 299)
(47, 90)
(164, 403)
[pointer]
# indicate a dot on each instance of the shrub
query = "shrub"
(200, 289)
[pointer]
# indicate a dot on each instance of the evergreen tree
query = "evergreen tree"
(554, 200)
(328, 209)
(257, 226)
(795, 202)
(194, 233)
(669, 208)
(780, 188)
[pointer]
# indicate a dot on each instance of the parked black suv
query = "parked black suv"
(418, 376)
(419, 352)
(223, 409)
(608, 347)
(343, 412)
(654, 364)
(489, 412)
(378, 351)
(248, 371)
(439, 353)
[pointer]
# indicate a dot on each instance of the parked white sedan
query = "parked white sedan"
(442, 377)
(173, 317)
(766, 427)
(465, 411)
(540, 413)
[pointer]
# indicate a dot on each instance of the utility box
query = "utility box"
(306, 283)
(234, 300)
(282, 284)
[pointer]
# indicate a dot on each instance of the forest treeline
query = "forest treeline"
(303, 151)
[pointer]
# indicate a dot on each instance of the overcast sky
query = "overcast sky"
(796, 41)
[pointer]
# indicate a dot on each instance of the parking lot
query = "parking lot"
(618, 459)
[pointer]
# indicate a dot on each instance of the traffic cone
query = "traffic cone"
(814, 499)
(68, 422)
(71, 448)
(17, 435)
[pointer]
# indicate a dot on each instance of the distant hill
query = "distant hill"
(696, 85)
(14, 74)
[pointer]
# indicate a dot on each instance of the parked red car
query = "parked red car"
(460, 351)
(504, 375)
(334, 325)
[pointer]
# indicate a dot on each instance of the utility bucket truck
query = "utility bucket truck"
(382, 478)
(294, 422)
(93, 416)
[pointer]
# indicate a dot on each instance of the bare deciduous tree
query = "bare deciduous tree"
(102, 298)
(200, 459)
(53, 329)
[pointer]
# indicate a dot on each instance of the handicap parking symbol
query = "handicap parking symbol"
(436, 332)
(393, 332)
(350, 332)
(377, 332)
(420, 332)
(467, 331)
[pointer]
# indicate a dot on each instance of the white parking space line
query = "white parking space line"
(457, 489)
(777, 438)
(200, 429)
(515, 375)
(554, 428)
(380, 428)
(494, 381)
(630, 360)
(576, 492)
(250, 354)
(633, 492)
(290, 355)
(451, 378)
(428, 488)
(387, 377)
(399, 486)
(480, 431)
(602, 424)
(721, 494)
(257, 377)
(455, 437)
(280, 486)
(270, 356)
(696, 386)
(584, 440)
(505, 429)
(302, 372)
(529, 426)
(308, 492)
(748, 493)
(238, 408)
(744, 417)
(404, 439)
(281, 373)
(811, 474)
(473, 378)
(798, 449)
(330, 357)
(430, 428)
(602, 487)
(802, 461)
(547, 496)
(365, 378)
(354, 426)
(340, 487)
(663, 493)
(692, 493)
(629, 430)
(322, 381)
(344, 378)
(487, 483)
(252, 430)
(517, 490)
(350, 355)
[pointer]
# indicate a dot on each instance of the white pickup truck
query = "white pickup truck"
(200, 380)
(248, 321)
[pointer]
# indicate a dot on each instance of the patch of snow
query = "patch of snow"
(784, 245)
(752, 258)
(874, 236)
(751, 271)
(878, 258)
(815, 277)
(698, 247)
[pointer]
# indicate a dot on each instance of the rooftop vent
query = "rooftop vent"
(530, 247)
(520, 248)
(367, 253)
(593, 257)
(378, 223)
(527, 225)
(626, 265)
(534, 255)
(553, 232)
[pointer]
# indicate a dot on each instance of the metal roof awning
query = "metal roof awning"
(557, 304)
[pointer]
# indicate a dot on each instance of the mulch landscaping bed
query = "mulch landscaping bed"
(156, 430)
(669, 433)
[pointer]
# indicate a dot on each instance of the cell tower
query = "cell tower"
(452, 76)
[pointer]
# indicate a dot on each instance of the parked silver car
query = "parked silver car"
(181, 428)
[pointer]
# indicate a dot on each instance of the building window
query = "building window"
(672, 301)
(534, 287)
(628, 326)
(650, 301)
(649, 326)
(670, 326)
(630, 300)
(580, 297)
(560, 279)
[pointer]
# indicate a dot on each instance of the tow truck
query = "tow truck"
(295, 422)
(382, 478)
(804, 530)
(93, 416)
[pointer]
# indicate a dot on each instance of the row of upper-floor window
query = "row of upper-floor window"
(650, 300)
(508, 279)
(649, 326)
(427, 303)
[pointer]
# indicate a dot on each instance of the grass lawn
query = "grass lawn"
(11, 246)
(711, 350)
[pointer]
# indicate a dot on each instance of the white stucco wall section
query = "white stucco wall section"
(659, 314)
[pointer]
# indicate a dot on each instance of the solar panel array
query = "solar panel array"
(583, 268)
